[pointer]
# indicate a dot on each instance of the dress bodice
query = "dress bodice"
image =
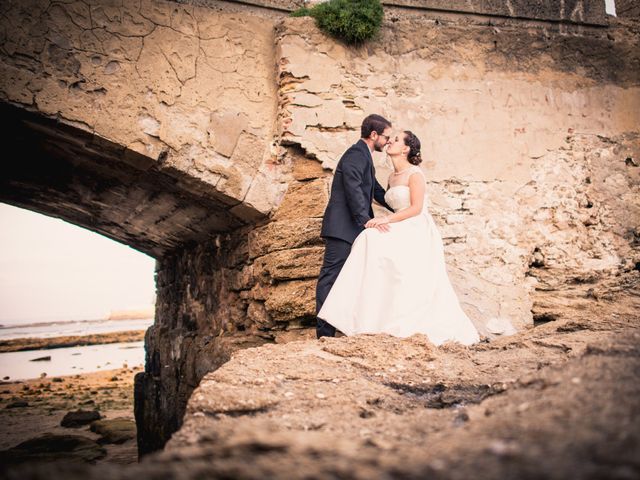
(398, 195)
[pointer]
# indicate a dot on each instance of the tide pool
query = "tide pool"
(71, 360)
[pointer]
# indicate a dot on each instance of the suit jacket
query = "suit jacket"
(353, 189)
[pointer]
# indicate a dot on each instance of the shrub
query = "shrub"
(353, 21)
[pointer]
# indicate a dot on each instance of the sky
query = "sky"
(52, 270)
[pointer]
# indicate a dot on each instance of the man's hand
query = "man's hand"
(381, 224)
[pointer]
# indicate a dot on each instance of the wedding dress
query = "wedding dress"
(396, 282)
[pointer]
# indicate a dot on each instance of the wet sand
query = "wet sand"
(48, 400)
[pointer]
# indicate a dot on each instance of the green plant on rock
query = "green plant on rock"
(353, 21)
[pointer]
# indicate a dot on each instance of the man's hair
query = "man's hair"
(373, 123)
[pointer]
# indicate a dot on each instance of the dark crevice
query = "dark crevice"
(238, 413)
(444, 396)
(543, 318)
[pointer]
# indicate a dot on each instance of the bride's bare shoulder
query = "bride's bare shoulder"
(416, 169)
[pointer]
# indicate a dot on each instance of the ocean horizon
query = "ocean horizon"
(63, 328)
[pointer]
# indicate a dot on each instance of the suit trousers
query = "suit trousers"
(335, 254)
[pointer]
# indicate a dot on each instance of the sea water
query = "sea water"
(68, 328)
(70, 360)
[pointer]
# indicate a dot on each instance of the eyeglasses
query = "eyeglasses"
(385, 136)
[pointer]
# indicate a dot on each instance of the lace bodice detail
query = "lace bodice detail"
(398, 195)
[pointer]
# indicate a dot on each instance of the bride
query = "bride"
(395, 280)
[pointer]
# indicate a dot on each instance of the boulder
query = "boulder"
(116, 430)
(51, 448)
(79, 418)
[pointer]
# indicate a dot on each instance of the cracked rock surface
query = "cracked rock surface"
(141, 98)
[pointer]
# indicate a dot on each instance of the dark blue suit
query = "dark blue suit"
(353, 190)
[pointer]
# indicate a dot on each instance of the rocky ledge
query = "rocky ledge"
(557, 401)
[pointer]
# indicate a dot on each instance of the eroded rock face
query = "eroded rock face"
(574, 11)
(372, 405)
(627, 8)
(164, 87)
(213, 299)
(519, 127)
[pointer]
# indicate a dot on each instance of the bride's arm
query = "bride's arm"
(416, 189)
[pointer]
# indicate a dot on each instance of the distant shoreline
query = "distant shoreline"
(141, 314)
(23, 344)
(114, 318)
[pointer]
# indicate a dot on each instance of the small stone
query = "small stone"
(500, 326)
(321, 396)
(576, 380)
(438, 465)
(378, 443)
(117, 430)
(288, 394)
(503, 448)
(364, 413)
(461, 418)
(41, 359)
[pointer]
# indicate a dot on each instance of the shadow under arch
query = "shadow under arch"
(66, 172)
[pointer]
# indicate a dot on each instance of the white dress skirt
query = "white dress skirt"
(396, 282)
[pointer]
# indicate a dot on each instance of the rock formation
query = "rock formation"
(557, 401)
(206, 134)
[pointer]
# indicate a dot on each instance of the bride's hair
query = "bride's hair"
(411, 141)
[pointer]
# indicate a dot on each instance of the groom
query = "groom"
(353, 189)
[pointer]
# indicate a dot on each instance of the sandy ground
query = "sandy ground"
(50, 399)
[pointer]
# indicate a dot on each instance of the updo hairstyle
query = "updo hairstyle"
(411, 141)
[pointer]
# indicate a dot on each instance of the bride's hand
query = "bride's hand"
(381, 224)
